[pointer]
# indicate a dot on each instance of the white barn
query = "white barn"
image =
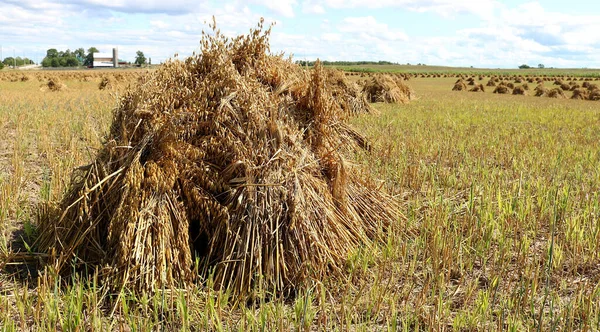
(106, 59)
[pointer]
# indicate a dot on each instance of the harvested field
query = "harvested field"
(495, 194)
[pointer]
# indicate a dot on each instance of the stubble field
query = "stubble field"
(500, 193)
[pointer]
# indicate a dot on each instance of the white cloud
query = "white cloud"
(482, 8)
(312, 7)
(159, 24)
(369, 28)
(497, 34)
(331, 37)
(281, 7)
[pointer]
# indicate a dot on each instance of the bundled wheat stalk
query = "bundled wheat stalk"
(386, 89)
(460, 85)
(53, 84)
(235, 158)
(105, 83)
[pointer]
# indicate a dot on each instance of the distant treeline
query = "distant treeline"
(18, 61)
(345, 63)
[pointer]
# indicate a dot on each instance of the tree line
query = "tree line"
(67, 58)
(345, 63)
(18, 61)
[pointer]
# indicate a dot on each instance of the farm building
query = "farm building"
(106, 59)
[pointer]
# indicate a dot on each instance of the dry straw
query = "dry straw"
(540, 90)
(387, 89)
(556, 93)
(236, 158)
(502, 89)
(53, 84)
(460, 85)
(581, 94)
(519, 90)
(105, 83)
(478, 88)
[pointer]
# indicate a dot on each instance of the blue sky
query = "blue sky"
(480, 33)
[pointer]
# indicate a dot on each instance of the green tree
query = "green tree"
(52, 53)
(89, 59)
(9, 61)
(140, 59)
(524, 66)
(46, 62)
(80, 55)
(71, 62)
(80, 52)
(1, 65)
(541, 66)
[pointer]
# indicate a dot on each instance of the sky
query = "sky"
(479, 33)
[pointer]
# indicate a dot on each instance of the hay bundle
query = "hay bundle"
(556, 93)
(565, 87)
(478, 88)
(540, 90)
(349, 96)
(460, 86)
(581, 94)
(491, 82)
(24, 78)
(234, 157)
(385, 89)
(594, 95)
(519, 90)
(502, 89)
(105, 83)
(55, 84)
(575, 86)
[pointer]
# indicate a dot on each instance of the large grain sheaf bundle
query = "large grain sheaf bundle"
(502, 89)
(581, 94)
(349, 96)
(234, 158)
(459, 86)
(386, 89)
(105, 83)
(556, 93)
(478, 88)
(519, 90)
(53, 84)
(540, 90)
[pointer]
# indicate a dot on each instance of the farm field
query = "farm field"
(427, 69)
(500, 196)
